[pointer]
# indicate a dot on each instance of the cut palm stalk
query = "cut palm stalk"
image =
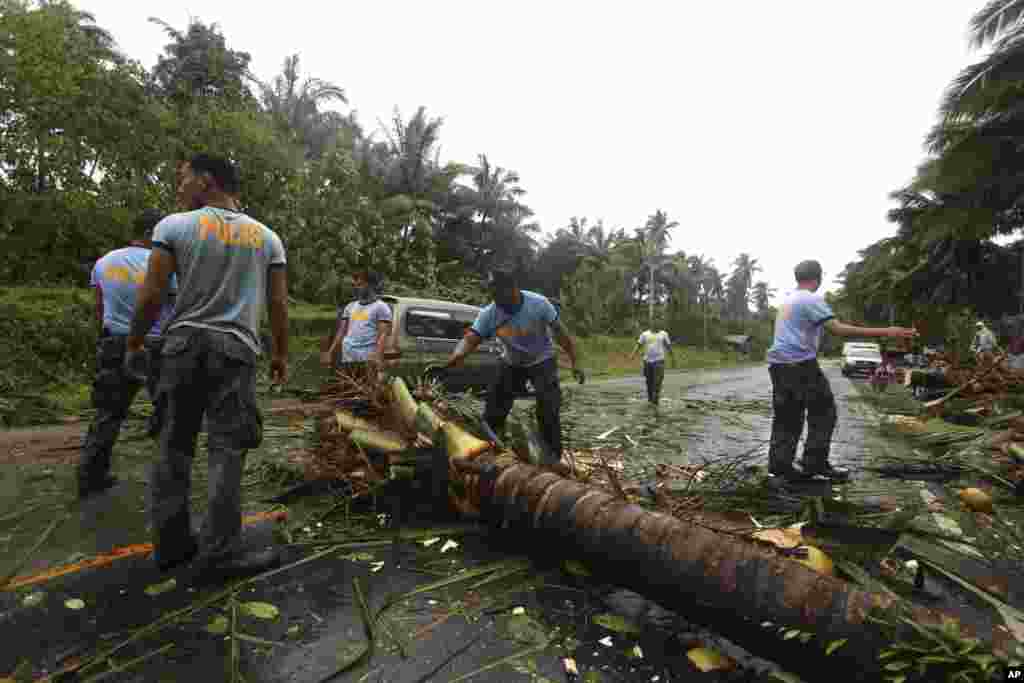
(376, 441)
(403, 403)
(346, 422)
(460, 444)
(427, 421)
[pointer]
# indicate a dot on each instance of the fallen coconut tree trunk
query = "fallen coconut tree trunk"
(680, 564)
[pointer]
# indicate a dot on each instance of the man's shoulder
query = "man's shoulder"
(534, 297)
(174, 222)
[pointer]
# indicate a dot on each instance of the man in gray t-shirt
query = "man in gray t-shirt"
(229, 268)
(364, 324)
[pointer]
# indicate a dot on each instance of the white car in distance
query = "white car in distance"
(860, 357)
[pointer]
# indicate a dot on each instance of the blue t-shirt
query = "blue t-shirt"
(223, 260)
(798, 327)
(363, 322)
(525, 335)
(120, 275)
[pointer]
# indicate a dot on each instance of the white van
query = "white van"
(860, 358)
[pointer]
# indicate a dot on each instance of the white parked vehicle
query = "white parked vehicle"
(860, 358)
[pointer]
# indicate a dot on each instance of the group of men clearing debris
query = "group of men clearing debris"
(180, 312)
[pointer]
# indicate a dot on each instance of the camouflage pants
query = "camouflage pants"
(800, 391)
(512, 382)
(112, 396)
(213, 374)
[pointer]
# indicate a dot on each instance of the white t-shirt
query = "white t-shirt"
(655, 344)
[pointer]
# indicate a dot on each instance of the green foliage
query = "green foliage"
(50, 349)
(966, 192)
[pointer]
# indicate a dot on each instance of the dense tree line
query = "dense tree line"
(967, 191)
(88, 137)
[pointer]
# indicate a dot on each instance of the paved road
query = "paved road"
(703, 414)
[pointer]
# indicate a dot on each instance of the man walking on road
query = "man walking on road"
(363, 325)
(799, 387)
(117, 278)
(984, 339)
(655, 344)
(228, 266)
(523, 321)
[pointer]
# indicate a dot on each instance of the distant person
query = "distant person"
(229, 268)
(363, 325)
(117, 279)
(1015, 349)
(799, 387)
(984, 339)
(523, 321)
(883, 375)
(654, 344)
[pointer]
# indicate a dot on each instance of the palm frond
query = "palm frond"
(994, 20)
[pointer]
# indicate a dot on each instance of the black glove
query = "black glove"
(136, 366)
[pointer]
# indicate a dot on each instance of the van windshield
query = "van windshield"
(435, 324)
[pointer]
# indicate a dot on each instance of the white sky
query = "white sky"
(772, 128)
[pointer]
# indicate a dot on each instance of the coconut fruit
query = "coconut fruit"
(816, 560)
(706, 659)
(976, 499)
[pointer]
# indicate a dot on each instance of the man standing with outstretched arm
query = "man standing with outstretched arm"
(229, 266)
(523, 321)
(799, 387)
(654, 344)
(118, 278)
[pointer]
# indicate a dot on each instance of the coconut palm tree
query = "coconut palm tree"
(740, 283)
(296, 105)
(655, 266)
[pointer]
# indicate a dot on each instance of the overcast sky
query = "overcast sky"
(772, 128)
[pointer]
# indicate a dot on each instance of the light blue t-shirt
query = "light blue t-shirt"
(526, 335)
(120, 275)
(223, 259)
(363, 322)
(798, 327)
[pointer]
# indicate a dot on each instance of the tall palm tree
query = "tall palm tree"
(296, 105)
(656, 266)
(762, 297)
(740, 283)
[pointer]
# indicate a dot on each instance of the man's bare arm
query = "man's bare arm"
(342, 331)
(383, 332)
(844, 330)
(564, 340)
(154, 291)
(99, 306)
(467, 345)
(277, 299)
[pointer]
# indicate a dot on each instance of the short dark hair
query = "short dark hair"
(221, 169)
(146, 221)
(503, 274)
(372, 277)
(807, 270)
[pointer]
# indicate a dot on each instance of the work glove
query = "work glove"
(136, 366)
(580, 376)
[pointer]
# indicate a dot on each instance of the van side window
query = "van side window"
(434, 324)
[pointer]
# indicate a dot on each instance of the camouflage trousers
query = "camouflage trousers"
(112, 396)
(212, 374)
(800, 391)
